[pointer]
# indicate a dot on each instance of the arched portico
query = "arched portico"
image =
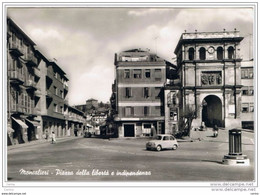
(212, 111)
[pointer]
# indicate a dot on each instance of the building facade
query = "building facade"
(22, 94)
(247, 101)
(209, 67)
(75, 121)
(54, 100)
(140, 77)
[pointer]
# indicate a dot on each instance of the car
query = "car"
(162, 141)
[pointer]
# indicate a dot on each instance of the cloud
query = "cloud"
(46, 34)
(144, 12)
(84, 40)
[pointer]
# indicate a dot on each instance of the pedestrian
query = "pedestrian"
(153, 131)
(53, 138)
(46, 135)
(215, 130)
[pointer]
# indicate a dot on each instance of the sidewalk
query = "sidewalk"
(37, 142)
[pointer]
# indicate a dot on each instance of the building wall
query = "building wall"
(171, 102)
(211, 75)
(140, 78)
(247, 99)
(22, 103)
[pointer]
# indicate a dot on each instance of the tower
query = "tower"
(209, 66)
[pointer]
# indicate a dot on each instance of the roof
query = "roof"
(208, 37)
(75, 109)
(91, 99)
(135, 50)
(11, 22)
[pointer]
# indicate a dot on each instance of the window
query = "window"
(157, 107)
(61, 109)
(173, 115)
(147, 126)
(127, 74)
(166, 138)
(128, 92)
(146, 92)
(250, 73)
(147, 73)
(22, 99)
(230, 52)
(202, 53)
(247, 73)
(172, 138)
(244, 92)
(174, 99)
(191, 54)
(55, 108)
(56, 75)
(220, 53)
(146, 111)
(55, 90)
(61, 94)
(157, 92)
(158, 74)
(137, 73)
(129, 111)
(25, 102)
(248, 91)
(251, 108)
(247, 107)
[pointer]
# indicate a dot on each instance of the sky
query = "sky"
(84, 40)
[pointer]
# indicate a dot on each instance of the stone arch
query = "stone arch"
(220, 53)
(202, 53)
(191, 53)
(231, 52)
(212, 111)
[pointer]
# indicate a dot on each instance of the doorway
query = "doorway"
(129, 130)
(212, 111)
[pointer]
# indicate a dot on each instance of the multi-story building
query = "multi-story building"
(247, 107)
(22, 93)
(140, 77)
(91, 104)
(75, 121)
(209, 66)
(171, 101)
(54, 101)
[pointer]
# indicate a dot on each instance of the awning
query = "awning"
(34, 123)
(21, 123)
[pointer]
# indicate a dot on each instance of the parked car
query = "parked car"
(162, 141)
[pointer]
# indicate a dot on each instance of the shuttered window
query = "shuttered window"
(158, 74)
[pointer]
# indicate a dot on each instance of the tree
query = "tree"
(188, 117)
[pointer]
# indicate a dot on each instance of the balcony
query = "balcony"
(49, 95)
(37, 72)
(49, 76)
(17, 108)
(30, 85)
(38, 93)
(31, 59)
(32, 111)
(16, 77)
(15, 49)
(65, 86)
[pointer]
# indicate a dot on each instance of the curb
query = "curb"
(37, 142)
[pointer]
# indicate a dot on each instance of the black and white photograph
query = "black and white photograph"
(129, 95)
